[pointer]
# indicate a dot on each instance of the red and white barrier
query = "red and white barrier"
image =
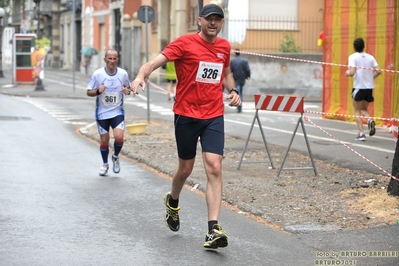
(279, 103)
(394, 128)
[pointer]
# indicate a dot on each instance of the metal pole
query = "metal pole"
(39, 83)
(1, 47)
(73, 45)
(38, 21)
(147, 59)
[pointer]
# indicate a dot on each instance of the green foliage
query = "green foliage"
(4, 3)
(43, 42)
(288, 45)
(7, 3)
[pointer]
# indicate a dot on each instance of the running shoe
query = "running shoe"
(103, 170)
(371, 125)
(361, 137)
(171, 214)
(216, 238)
(116, 166)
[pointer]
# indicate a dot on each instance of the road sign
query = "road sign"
(141, 14)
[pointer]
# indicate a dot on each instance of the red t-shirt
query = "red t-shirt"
(200, 73)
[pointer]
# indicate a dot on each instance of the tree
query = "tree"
(288, 45)
(4, 3)
(393, 187)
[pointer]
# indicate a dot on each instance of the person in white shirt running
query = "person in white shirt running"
(364, 68)
(109, 85)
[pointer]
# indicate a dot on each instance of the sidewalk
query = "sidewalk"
(28, 90)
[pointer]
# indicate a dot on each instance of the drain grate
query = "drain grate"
(14, 118)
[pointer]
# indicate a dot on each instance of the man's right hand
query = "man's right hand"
(102, 88)
(135, 84)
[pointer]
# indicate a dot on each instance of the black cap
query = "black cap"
(211, 9)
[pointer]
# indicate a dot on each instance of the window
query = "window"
(273, 15)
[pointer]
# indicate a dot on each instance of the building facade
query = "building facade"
(251, 25)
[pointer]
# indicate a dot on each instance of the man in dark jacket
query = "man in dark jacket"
(241, 71)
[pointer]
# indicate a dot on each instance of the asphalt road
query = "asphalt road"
(56, 210)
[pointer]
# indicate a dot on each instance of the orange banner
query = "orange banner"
(374, 21)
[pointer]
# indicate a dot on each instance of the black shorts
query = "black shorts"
(117, 121)
(363, 94)
(171, 81)
(188, 130)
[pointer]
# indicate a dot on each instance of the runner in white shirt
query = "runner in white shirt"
(364, 68)
(109, 85)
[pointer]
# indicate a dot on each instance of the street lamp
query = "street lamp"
(2, 14)
(39, 83)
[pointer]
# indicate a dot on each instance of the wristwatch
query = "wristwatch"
(234, 89)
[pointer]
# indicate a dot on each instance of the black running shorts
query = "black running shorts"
(112, 122)
(364, 94)
(210, 133)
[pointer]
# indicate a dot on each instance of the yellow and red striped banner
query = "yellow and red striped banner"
(374, 21)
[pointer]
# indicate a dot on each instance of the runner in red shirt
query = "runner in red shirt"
(202, 62)
(199, 65)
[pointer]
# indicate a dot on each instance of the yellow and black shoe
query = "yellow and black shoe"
(216, 238)
(171, 214)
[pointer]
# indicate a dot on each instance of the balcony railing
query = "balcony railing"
(275, 35)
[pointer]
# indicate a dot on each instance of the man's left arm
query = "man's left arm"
(351, 71)
(230, 86)
(229, 82)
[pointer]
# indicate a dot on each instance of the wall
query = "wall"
(132, 59)
(308, 25)
(280, 76)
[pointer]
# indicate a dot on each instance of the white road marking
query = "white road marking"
(58, 113)
(311, 136)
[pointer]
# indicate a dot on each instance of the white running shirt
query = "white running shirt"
(363, 79)
(109, 103)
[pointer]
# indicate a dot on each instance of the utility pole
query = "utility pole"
(2, 14)
(73, 44)
(55, 33)
(73, 5)
(39, 82)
